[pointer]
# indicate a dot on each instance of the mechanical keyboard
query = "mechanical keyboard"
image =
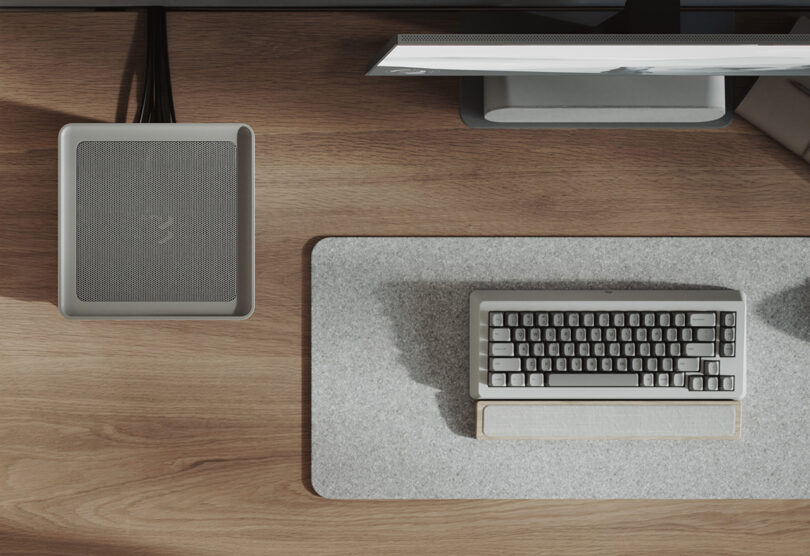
(603, 344)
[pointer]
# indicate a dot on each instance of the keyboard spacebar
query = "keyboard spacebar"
(596, 380)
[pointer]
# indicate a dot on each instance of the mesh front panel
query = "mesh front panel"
(156, 221)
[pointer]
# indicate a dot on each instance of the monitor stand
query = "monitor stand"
(599, 100)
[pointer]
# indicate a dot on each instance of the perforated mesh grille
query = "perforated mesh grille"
(156, 221)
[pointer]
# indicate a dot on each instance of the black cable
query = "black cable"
(157, 103)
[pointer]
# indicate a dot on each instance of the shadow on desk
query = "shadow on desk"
(28, 201)
(430, 321)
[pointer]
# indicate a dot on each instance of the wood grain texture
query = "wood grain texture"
(193, 438)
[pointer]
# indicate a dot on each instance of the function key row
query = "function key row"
(605, 319)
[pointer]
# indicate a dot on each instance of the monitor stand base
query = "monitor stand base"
(607, 102)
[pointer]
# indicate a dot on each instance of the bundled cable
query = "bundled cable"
(157, 104)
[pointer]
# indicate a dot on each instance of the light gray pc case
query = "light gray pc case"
(156, 221)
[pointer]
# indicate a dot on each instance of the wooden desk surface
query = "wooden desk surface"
(193, 438)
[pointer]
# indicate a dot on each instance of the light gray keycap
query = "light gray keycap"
(679, 319)
(688, 365)
(519, 335)
(686, 335)
(729, 334)
(553, 349)
(575, 364)
(517, 379)
(711, 383)
(560, 364)
(586, 380)
(497, 379)
(666, 364)
(676, 379)
(641, 334)
(496, 319)
(647, 379)
(660, 349)
(699, 350)
(542, 319)
(729, 319)
(504, 364)
(621, 364)
(618, 319)
(702, 319)
(633, 319)
(664, 320)
(501, 350)
(569, 349)
(630, 350)
(530, 364)
(588, 319)
(637, 364)
(696, 383)
(614, 349)
(545, 364)
(596, 334)
(727, 349)
(611, 335)
(662, 379)
(626, 334)
(527, 319)
(558, 319)
(704, 334)
(538, 350)
(584, 350)
(727, 383)
(711, 367)
(512, 319)
(535, 379)
(603, 319)
(564, 335)
(656, 335)
(581, 334)
(598, 349)
(523, 349)
(672, 334)
(644, 349)
(652, 365)
(649, 320)
(591, 364)
(551, 334)
(675, 350)
(499, 335)
(536, 335)
(607, 365)
(573, 319)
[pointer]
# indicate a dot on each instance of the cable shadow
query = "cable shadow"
(788, 311)
(430, 321)
(28, 211)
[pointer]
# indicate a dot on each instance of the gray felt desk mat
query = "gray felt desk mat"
(391, 412)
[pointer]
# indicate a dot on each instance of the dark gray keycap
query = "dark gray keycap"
(545, 364)
(696, 383)
(662, 379)
(575, 364)
(558, 319)
(711, 367)
(512, 319)
(527, 319)
(702, 319)
(536, 335)
(618, 319)
(542, 319)
(530, 364)
(523, 349)
(633, 319)
(591, 364)
(677, 379)
(647, 379)
(699, 350)
(686, 335)
(688, 365)
(728, 334)
(585, 380)
(497, 379)
(519, 335)
(499, 335)
(704, 334)
(679, 319)
(727, 349)
(535, 379)
(588, 319)
(603, 319)
(727, 383)
(573, 319)
(538, 350)
(517, 379)
(504, 364)
(553, 349)
(729, 319)
(496, 319)
(501, 350)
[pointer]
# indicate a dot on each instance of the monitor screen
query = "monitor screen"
(595, 54)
